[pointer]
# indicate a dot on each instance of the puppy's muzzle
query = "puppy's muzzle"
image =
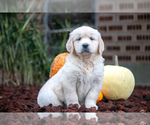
(85, 48)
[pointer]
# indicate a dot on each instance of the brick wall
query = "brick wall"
(125, 35)
(122, 6)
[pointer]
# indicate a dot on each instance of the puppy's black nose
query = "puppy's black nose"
(85, 45)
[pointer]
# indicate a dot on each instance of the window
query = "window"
(124, 38)
(124, 58)
(147, 48)
(145, 16)
(126, 6)
(107, 38)
(143, 58)
(102, 28)
(148, 26)
(125, 17)
(143, 37)
(115, 28)
(113, 48)
(134, 27)
(132, 48)
(105, 18)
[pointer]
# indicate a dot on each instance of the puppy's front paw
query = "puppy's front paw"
(91, 105)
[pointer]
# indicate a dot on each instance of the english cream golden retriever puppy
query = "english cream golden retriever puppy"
(80, 80)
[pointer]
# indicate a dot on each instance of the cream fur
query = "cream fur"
(80, 80)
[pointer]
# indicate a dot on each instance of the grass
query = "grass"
(23, 56)
(58, 40)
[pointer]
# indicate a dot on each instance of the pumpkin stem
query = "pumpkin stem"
(116, 60)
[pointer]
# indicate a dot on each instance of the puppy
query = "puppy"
(80, 80)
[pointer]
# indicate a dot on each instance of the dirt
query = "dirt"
(24, 99)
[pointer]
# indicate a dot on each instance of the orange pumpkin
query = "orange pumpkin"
(100, 97)
(58, 63)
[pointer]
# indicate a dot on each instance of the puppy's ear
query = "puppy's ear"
(69, 44)
(101, 44)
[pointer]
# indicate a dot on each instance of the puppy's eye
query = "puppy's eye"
(91, 38)
(79, 39)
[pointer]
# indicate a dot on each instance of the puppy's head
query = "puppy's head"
(85, 40)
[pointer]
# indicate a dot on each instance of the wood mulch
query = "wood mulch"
(24, 99)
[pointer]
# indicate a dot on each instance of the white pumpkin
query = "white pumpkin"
(118, 82)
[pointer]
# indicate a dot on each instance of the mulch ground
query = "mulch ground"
(24, 99)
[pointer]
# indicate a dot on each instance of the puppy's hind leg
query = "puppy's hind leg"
(48, 97)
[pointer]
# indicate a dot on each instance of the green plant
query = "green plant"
(23, 56)
(62, 27)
